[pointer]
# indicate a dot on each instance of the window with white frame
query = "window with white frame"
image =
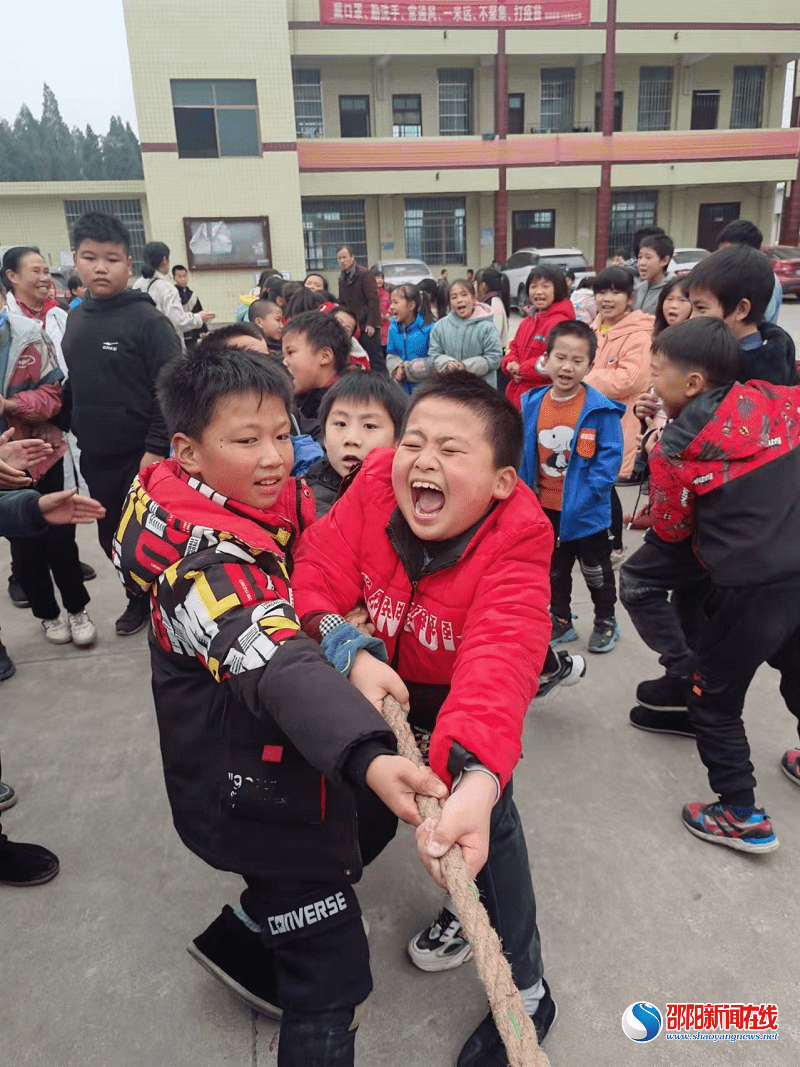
(328, 224)
(127, 211)
(631, 209)
(747, 106)
(308, 119)
(655, 98)
(556, 114)
(436, 229)
(215, 118)
(455, 102)
(407, 116)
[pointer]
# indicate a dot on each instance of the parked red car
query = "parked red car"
(786, 264)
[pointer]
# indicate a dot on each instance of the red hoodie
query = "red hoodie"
(529, 345)
(472, 624)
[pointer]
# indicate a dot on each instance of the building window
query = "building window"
(598, 111)
(455, 103)
(516, 112)
(630, 210)
(215, 118)
(557, 100)
(748, 98)
(127, 211)
(308, 121)
(354, 116)
(533, 229)
(655, 98)
(705, 109)
(406, 116)
(327, 224)
(436, 230)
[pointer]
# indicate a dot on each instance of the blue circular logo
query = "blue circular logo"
(642, 1021)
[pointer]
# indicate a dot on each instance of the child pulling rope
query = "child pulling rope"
(513, 1022)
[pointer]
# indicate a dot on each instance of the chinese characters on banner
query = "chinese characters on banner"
(444, 13)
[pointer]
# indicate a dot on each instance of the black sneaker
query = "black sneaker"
(570, 671)
(441, 946)
(135, 617)
(664, 694)
(485, 1048)
(17, 593)
(604, 635)
(662, 722)
(87, 572)
(7, 668)
(236, 956)
(562, 631)
(23, 865)
(8, 796)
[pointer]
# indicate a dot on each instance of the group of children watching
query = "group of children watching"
(420, 565)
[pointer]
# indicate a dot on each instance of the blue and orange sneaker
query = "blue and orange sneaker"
(563, 631)
(717, 824)
(790, 764)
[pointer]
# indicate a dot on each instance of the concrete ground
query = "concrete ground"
(631, 906)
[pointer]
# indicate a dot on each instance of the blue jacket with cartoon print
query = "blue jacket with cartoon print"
(595, 458)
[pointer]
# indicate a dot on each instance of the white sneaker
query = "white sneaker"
(440, 946)
(57, 630)
(83, 630)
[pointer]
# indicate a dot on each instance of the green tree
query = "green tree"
(57, 145)
(92, 165)
(8, 153)
(32, 164)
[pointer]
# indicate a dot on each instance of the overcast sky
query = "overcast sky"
(79, 50)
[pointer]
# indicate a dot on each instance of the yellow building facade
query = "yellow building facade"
(269, 136)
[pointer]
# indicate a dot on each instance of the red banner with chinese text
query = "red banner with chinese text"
(444, 13)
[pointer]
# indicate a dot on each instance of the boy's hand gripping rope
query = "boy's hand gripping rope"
(513, 1022)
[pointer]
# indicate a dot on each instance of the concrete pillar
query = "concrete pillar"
(603, 202)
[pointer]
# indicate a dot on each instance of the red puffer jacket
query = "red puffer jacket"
(472, 621)
(529, 345)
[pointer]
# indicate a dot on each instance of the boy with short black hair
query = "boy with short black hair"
(717, 482)
(268, 317)
(744, 232)
(115, 344)
(316, 350)
(733, 285)
(267, 750)
(573, 453)
(358, 413)
(77, 290)
(190, 303)
(652, 264)
(736, 285)
(451, 552)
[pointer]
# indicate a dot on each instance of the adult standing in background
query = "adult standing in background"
(190, 302)
(164, 294)
(358, 292)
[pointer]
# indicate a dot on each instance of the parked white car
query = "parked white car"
(683, 259)
(518, 266)
(398, 271)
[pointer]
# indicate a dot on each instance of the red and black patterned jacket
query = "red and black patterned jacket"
(261, 738)
(726, 473)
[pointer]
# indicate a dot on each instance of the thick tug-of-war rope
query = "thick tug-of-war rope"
(513, 1022)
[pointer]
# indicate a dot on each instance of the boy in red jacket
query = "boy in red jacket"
(451, 553)
(724, 474)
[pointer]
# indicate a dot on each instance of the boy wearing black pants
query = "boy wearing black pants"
(115, 344)
(734, 285)
(718, 478)
(573, 453)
